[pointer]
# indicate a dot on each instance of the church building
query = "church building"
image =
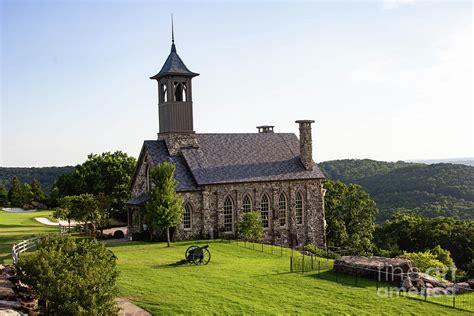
(221, 176)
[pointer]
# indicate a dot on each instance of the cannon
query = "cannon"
(198, 255)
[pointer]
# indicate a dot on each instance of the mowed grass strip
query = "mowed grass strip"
(15, 227)
(243, 281)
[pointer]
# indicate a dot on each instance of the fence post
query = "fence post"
(454, 299)
(291, 264)
(271, 246)
(319, 268)
(312, 263)
(281, 251)
(302, 269)
(426, 294)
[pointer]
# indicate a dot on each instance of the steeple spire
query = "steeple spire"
(173, 47)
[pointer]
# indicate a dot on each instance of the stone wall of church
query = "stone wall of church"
(208, 211)
(140, 184)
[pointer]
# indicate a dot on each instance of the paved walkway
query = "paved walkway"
(129, 309)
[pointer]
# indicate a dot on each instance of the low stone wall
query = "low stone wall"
(15, 298)
(380, 268)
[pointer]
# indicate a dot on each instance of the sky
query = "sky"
(385, 80)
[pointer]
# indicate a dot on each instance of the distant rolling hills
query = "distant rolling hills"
(441, 189)
(432, 190)
(45, 175)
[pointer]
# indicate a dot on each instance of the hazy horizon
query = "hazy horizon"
(384, 80)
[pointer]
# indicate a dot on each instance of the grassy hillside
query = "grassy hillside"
(430, 190)
(243, 281)
(46, 175)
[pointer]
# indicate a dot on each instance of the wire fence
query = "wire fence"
(386, 282)
(268, 248)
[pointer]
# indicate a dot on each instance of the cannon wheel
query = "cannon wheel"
(201, 257)
(189, 250)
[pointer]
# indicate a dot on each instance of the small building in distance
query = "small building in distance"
(222, 176)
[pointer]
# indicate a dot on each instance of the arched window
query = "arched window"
(265, 210)
(164, 93)
(147, 178)
(180, 91)
(282, 209)
(228, 214)
(188, 211)
(246, 204)
(299, 208)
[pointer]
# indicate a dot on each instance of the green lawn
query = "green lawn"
(243, 281)
(15, 227)
(237, 280)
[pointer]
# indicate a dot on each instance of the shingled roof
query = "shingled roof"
(159, 154)
(233, 158)
(230, 158)
(174, 65)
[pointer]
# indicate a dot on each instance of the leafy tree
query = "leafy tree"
(81, 208)
(251, 226)
(37, 190)
(350, 215)
(74, 277)
(3, 195)
(27, 194)
(443, 255)
(165, 207)
(108, 174)
(15, 194)
(414, 233)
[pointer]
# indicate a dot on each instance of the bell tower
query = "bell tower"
(175, 101)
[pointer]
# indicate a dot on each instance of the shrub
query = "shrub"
(251, 226)
(426, 262)
(320, 252)
(119, 234)
(74, 277)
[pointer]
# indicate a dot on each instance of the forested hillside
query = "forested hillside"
(430, 190)
(46, 175)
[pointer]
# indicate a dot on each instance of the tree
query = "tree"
(109, 174)
(37, 190)
(3, 195)
(350, 215)
(27, 194)
(251, 226)
(74, 277)
(165, 207)
(15, 194)
(81, 208)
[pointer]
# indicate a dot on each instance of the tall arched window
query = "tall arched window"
(246, 204)
(299, 208)
(265, 210)
(187, 216)
(180, 91)
(147, 178)
(282, 209)
(228, 214)
(164, 93)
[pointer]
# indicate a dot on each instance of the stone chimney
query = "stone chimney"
(306, 144)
